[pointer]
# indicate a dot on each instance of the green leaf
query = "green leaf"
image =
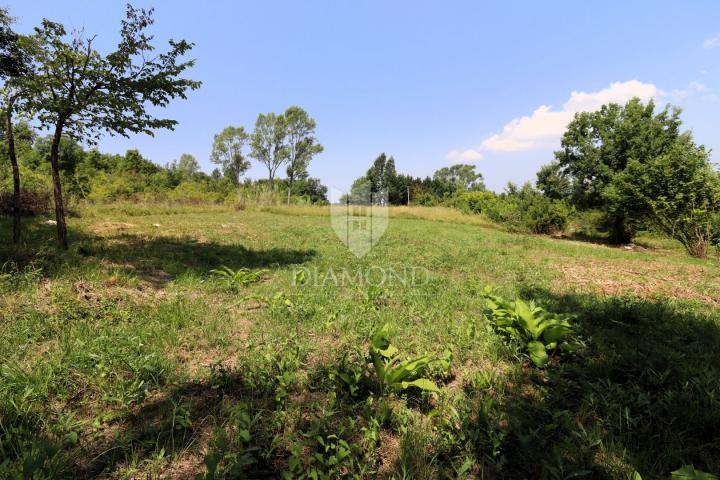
(688, 472)
(556, 333)
(527, 318)
(537, 353)
(422, 384)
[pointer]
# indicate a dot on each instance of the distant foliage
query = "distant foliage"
(524, 210)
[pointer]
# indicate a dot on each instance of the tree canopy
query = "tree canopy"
(227, 151)
(598, 145)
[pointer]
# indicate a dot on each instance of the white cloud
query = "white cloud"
(697, 86)
(546, 125)
(712, 42)
(469, 155)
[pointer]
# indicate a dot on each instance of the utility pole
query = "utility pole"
(408, 192)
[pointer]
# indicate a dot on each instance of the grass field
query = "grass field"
(127, 358)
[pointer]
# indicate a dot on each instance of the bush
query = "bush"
(678, 191)
(541, 214)
(525, 210)
(31, 203)
(472, 202)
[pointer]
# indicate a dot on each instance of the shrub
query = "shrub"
(31, 203)
(537, 330)
(678, 191)
(540, 214)
(472, 202)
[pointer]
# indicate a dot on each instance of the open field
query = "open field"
(126, 357)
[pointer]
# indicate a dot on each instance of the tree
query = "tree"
(678, 190)
(300, 144)
(82, 93)
(15, 66)
(461, 176)
(14, 58)
(187, 166)
(227, 150)
(134, 162)
(382, 175)
(599, 145)
(553, 183)
(267, 143)
(70, 153)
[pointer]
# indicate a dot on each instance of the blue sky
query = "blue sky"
(432, 83)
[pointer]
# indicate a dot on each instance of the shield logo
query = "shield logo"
(360, 217)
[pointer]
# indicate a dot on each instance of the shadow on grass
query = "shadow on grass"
(173, 421)
(177, 255)
(644, 394)
(153, 259)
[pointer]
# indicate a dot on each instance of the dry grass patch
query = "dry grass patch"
(640, 279)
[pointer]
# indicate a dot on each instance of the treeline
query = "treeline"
(627, 167)
(399, 189)
(91, 175)
(460, 186)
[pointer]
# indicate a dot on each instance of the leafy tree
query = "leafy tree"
(300, 144)
(599, 145)
(14, 59)
(134, 162)
(81, 93)
(311, 189)
(678, 190)
(552, 183)
(15, 67)
(70, 153)
(461, 177)
(187, 167)
(267, 143)
(382, 176)
(227, 151)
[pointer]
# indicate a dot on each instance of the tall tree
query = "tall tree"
(461, 176)
(382, 173)
(267, 143)
(15, 69)
(300, 143)
(227, 150)
(187, 166)
(598, 145)
(82, 93)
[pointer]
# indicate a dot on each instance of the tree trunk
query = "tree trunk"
(16, 173)
(621, 232)
(290, 182)
(59, 207)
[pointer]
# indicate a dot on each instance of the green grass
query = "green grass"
(126, 357)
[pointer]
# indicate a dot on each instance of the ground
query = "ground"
(126, 357)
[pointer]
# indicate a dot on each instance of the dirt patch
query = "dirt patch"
(111, 227)
(186, 467)
(389, 451)
(640, 279)
(156, 277)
